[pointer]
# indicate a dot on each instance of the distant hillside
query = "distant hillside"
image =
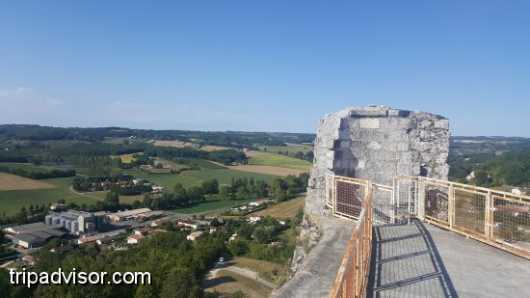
(221, 138)
(459, 145)
(493, 160)
(487, 145)
(466, 153)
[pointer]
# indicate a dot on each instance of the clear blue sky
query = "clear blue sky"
(263, 65)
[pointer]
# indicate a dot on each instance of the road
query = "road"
(86, 194)
(243, 272)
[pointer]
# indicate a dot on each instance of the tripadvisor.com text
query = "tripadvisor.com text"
(74, 277)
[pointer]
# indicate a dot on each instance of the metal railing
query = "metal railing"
(497, 218)
(494, 217)
(355, 196)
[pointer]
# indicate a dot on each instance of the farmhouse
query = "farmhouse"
(135, 239)
(256, 203)
(141, 231)
(193, 224)
(28, 260)
(195, 235)
(157, 189)
(254, 219)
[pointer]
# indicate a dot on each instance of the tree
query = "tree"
(2, 240)
(180, 197)
(137, 204)
(279, 189)
(238, 247)
(245, 231)
(261, 188)
(145, 291)
(309, 156)
(482, 178)
(242, 193)
(299, 155)
(5, 286)
(210, 186)
(226, 192)
(195, 194)
(112, 200)
(179, 190)
(147, 201)
(22, 216)
(263, 235)
(180, 283)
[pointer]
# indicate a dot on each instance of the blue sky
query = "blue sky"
(263, 65)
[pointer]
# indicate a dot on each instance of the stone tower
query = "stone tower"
(377, 143)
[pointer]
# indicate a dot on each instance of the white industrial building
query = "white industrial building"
(76, 222)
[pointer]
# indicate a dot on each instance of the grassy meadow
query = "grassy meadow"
(12, 201)
(227, 283)
(127, 158)
(196, 177)
(291, 148)
(272, 159)
(268, 170)
(270, 271)
(22, 192)
(283, 210)
(14, 182)
(32, 167)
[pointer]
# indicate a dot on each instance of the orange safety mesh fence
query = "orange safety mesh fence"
(494, 217)
(352, 277)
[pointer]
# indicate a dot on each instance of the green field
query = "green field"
(11, 201)
(292, 149)
(195, 177)
(205, 164)
(127, 158)
(284, 210)
(272, 159)
(32, 167)
(224, 176)
(212, 205)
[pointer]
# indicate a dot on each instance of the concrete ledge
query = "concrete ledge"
(317, 273)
